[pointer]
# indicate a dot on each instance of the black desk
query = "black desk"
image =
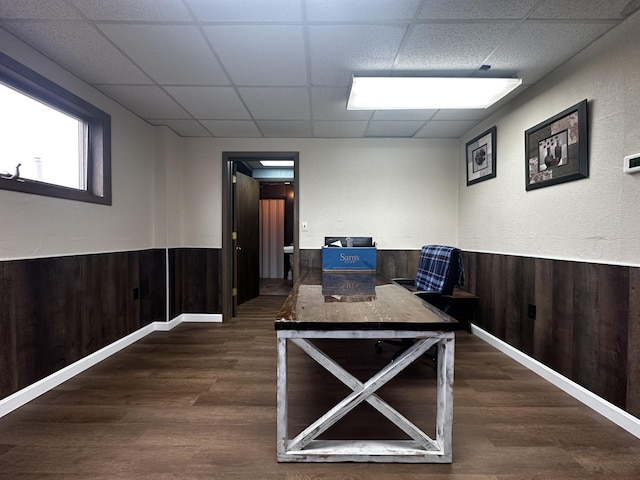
(391, 312)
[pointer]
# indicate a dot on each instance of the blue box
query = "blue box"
(349, 259)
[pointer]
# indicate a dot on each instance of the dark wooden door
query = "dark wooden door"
(247, 243)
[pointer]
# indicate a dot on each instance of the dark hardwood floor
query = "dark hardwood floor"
(199, 403)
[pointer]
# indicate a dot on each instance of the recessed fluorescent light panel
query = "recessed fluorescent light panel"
(411, 93)
(276, 163)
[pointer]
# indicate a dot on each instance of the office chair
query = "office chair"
(440, 271)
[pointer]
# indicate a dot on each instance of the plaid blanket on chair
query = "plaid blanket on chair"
(433, 268)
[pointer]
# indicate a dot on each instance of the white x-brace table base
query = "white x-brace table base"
(420, 449)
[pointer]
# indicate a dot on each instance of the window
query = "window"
(51, 142)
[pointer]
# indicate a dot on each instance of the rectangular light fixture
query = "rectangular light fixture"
(411, 93)
(276, 163)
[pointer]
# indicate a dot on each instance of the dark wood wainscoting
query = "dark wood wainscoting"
(58, 310)
(587, 318)
(194, 281)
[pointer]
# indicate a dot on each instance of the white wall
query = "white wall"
(167, 190)
(38, 226)
(401, 192)
(595, 219)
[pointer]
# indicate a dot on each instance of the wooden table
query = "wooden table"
(383, 310)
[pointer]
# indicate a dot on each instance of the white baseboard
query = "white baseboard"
(201, 317)
(33, 391)
(618, 416)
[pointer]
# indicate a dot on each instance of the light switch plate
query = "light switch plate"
(631, 163)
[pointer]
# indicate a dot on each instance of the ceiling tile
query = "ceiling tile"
(445, 129)
(37, 9)
(277, 103)
(170, 54)
(147, 101)
(139, 10)
(246, 10)
(339, 129)
(184, 128)
(81, 49)
(539, 46)
(463, 114)
(393, 128)
(422, 115)
(575, 9)
(261, 54)
(232, 128)
(360, 10)
(223, 60)
(330, 103)
(210, 102)
(476, 10)
(338, 52)
(285, 128)
(451, 46)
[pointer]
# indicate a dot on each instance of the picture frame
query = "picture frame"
(556, 150)
(481, 157)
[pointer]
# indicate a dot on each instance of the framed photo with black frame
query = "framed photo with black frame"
(481, 157)
(556, 150)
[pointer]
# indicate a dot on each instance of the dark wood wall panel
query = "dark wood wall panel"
(153, 285)
(562, 292)
(633, 342)
(195, 279)
(397, 263)
(587, 321)
(59, 310)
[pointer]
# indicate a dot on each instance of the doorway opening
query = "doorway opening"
(251, 251)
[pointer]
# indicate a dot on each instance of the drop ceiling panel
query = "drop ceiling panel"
(277, 103)
(359, 11)
(576, 9)
(232, 128)
(184, 128)
(261, 54)
(170, 54)
(340, 51)
(210, 102)
(147, 101)
(139, 10)
(339, 129)
(463, 114)
(421, 115)
(288, 63)
(80, 48)
(246, 10)
(452, 46)
(445, 129)
(38, 9)
(285, 128)
(330, 103)
(476, 10)
(393, 128)
(539, 46)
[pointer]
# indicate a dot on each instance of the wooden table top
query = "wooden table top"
(382, 305)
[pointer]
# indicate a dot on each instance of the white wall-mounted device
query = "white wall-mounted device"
(631, 163)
